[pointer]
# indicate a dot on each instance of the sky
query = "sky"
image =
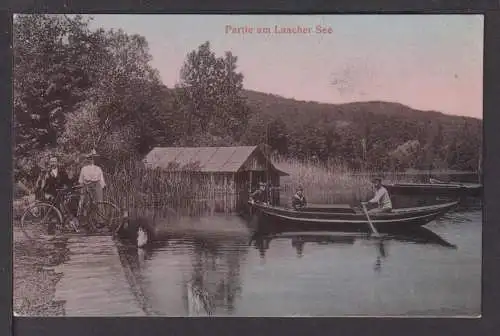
(426, 62)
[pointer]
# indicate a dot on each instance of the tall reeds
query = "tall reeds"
(153, 192)
(134, 186)
(330, 182)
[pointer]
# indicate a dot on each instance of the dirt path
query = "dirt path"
(34, 279)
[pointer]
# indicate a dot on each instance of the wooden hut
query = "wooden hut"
(229, 171)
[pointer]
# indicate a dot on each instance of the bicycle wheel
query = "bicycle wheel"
(104, 216)
(41, 218)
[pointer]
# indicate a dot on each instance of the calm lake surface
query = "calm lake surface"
(436, 272)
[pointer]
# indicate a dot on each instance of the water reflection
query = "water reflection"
(203, 274)
(218, 268)
(262, 241)
(209, 278)
(207, 288)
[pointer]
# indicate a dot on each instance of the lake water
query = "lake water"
(436, 272)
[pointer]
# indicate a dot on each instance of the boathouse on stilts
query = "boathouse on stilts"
(222, 176)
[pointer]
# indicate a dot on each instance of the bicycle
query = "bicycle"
(50, 217)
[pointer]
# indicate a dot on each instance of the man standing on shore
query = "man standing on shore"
(55, 178)
(92, 177)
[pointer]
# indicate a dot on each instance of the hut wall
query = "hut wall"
(226, 191)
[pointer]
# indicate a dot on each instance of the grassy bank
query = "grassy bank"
(33, 279)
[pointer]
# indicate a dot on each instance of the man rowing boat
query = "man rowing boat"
(381, 199)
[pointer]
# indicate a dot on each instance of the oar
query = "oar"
(372, 227)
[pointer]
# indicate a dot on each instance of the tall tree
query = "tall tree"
(211, 95)
(77, 88)
(124, 106)
(51, 75)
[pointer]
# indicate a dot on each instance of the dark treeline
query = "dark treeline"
(371, 135)
(76, 88)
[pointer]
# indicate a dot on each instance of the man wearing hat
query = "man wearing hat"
(259, 195)
(92, 177)
(50, 181)
(381, 198)
(55, 178)
(299, 200)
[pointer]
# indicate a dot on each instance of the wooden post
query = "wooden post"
(480, 166)
(225, 193)
(212, 194)
(234, 187)
(250, 182)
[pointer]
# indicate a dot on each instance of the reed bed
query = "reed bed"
(331, 182)
(146, 192)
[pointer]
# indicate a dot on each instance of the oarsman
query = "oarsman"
(381, 200)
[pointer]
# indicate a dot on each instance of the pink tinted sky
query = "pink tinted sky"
(427, 62)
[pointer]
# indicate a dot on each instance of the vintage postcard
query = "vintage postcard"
(263, 165)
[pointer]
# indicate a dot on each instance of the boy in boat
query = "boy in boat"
(299, 200)
(259, 195)
(381, 198)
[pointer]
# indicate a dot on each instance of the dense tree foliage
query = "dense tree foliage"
(76, 88)
(210, 97)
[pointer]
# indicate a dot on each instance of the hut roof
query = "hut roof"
(206, 159)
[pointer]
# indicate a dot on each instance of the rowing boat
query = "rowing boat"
(315, 217)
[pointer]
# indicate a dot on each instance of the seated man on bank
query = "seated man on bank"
(259, 195)
(299, 200)
(381, 200)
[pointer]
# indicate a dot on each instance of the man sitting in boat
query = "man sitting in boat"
(381, 199)
(259, 195)
(299, 200)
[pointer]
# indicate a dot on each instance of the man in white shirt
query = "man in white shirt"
(92, 177)
(381, 199)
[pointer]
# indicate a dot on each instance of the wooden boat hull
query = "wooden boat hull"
(437, 189)
(276, 218)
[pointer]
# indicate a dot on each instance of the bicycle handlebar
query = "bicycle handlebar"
(76, 187)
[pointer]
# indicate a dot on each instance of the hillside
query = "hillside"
(336, 131)
(270, 102)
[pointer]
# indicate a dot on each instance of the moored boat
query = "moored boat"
(436, 188)
(344, 217)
